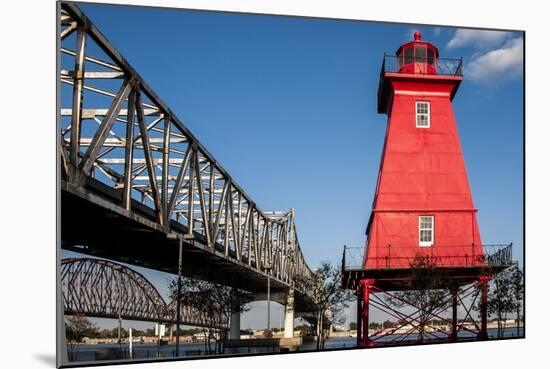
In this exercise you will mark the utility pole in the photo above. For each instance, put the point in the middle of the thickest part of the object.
(268, 303)
(180, 238)
(119, 280)
(178, 302)
(130, 348)
(268, 271)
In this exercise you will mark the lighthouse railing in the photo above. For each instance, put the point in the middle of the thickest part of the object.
(443, 66)
(402, 256)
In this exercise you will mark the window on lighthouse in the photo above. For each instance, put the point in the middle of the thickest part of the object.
(420, 53)
(409, 55)
(431, 55)
(426, 230)
(422, 114)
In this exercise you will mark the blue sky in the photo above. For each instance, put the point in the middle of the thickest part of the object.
(288, 107)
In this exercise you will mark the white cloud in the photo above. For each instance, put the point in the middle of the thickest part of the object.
(502, 63)
(477, 38)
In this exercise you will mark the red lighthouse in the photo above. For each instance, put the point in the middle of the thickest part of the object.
(422, 204)
(423, 207)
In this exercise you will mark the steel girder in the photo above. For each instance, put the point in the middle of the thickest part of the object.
(409, 317)
(115, 130)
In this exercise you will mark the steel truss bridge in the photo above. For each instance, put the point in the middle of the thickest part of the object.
(135, 182)
(104, 289)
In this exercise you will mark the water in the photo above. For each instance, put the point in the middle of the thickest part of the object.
(348, 342)
(152, 351)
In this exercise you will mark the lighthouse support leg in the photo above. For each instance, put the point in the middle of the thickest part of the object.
(454, 332)
(367, 285)
(483, 280)
(359, 312)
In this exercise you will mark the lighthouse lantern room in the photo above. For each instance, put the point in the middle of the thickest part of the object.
(417, 56)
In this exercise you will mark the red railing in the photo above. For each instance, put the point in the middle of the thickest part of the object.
(392, 256)
(442, 66)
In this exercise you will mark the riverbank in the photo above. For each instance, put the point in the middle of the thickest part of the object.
(99, 352)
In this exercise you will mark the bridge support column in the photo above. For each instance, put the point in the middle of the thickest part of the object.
(235, 321)
(289, 314)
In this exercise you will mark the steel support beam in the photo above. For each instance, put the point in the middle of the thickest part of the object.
(484, 285)
(359, 292)
(165, 161)
(76, 118)
(454, 330)
(177, 186)
(191, 196)
(149, 160)
(103, 130)
(367, 285)
(129, 152)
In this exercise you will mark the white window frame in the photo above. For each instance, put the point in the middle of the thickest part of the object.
(420, 229)
(427, 115)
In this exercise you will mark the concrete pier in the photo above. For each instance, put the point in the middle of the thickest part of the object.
(289, 315)
(235, 322)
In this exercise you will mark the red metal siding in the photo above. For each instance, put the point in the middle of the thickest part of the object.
(422, 173)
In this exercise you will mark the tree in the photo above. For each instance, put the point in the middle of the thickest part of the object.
(388, 324)
(187, 332)
(105, 333)
(123, 333)
(76, 328)
(328, 297)
(139, 332)
(505, 296)
(426, 291)
(304, 329)
(519, 293)
(213, 304)
(374, 325)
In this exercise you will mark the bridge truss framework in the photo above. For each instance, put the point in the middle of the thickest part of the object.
(124, 151)
(104, 289)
